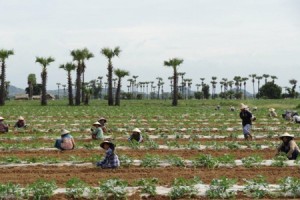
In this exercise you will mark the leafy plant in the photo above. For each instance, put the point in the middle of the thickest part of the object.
(227, 159)
(219, 188)
(175, 161)
(150, 161)
(10, 191)
(134, 144)
(115, 188)
(290, 185)
(184, 188)
(151, 144)
(251, 161)
(205, 160)
(256, 188)
(125, 161)
(148, 185)
(75, 188)
(42, 189)
(279, 160)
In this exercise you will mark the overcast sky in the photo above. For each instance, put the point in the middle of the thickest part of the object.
(222, 38)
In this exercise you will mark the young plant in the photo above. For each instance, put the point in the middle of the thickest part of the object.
(151, 144)
(134, 144)
(10, 191)
(290, 185)
(125, 161)
(251, 161)
(150, 161)
(279, 160)
(42, 189)
(115, 188)
(148, 185)
(219, 188)
(75, 188)
(227, 159)
(256, 188)
(205, 160)
(184, 188)
(175, 161)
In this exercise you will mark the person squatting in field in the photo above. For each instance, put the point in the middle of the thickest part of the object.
(136, 136)
(66, 142)
(20, 123)
(288, 146)
(288, 115)
(97, 133)
(3, 126)
(246, 117)
(272, 112)
(111, 160)
(103, 121)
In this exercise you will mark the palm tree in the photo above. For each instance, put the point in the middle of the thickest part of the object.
(4, 54)
(109, 54)
(230, 83)
(78, 56)
(266, 76)
(213, 82)
(294, 83)
(120, 74)
(87, 55)
(64, 86)
(158, 85)
(258, 83)
(134, 85)
(237, 80)
(44, 62)
(31, 80)
(69, 67)
(253, 81)
(58, 84)
(244, 80)
(198, 85)
(273, 78)
(174, 63)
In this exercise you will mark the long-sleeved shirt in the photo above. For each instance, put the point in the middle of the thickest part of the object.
(98, 133)
(137, 137)
(288, 148)
(111, 160)
(67, 142)
(246, 116)
(20, 124)
(3, 127)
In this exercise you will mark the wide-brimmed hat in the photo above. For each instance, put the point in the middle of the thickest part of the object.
(286, 135)
(64, 131)
(97, 123)
(102, 118)
(21, 118)
(243, 106)
(1, 118)
(271, 109)
(107, 142)
(136, 130)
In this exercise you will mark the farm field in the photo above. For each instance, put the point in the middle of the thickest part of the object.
(181, 143)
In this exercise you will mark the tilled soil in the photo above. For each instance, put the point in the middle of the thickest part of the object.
(92, 175)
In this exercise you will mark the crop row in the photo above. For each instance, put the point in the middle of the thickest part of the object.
(181, 188)
(151, 161)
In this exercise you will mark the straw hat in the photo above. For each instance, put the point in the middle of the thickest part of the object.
(107, 142)
(1, 118)
(97, 123)
(243, 106)
(271, 109)
(21, 118)
(136, 130)
(64, 131)
(286, 135)
(102, 118)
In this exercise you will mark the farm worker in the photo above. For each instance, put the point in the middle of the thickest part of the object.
(136, 135)
(288, 146)
(288, 115)
(66, 142)
(111, 159)
(232, 108)
(97, 133)
(272, 112)
(20, 123)
(102, 121)
(3, 126)
(296, 118)
(246, 117)
(218, 107)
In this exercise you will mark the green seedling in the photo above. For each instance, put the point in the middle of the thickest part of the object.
(256, 188)
(219, 188)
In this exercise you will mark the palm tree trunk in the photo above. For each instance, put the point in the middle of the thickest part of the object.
(82, 84)
(78, 84)
(175, 93)
(44, 91)
(110, 84)
(70, 89)
(2, 87)
(30, 90)
(117, 103)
